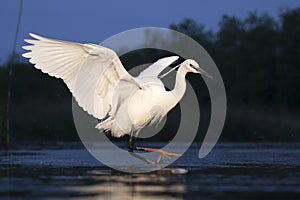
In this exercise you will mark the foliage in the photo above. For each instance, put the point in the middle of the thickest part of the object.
(258, 57)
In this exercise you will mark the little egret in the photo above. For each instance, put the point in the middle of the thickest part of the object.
(102, 87)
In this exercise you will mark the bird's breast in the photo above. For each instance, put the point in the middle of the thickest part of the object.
(146, 105)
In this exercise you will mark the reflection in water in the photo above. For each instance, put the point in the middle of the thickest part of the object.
(231, 171)
(89, 183)
(138, 186)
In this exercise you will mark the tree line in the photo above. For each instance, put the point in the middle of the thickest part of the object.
(259, 60)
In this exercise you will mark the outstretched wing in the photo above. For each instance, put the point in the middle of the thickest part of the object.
(156, 68)
(90, 71)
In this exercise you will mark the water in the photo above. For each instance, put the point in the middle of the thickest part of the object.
(230, 171)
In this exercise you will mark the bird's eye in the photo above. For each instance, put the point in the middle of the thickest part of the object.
(191, 65)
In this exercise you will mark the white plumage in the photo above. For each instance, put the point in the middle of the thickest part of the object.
(103, 88)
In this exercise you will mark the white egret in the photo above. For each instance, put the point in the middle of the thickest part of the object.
(102, 87)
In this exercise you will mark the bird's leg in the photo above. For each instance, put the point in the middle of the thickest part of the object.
(160, 151)
(131, 143)
(131, 147)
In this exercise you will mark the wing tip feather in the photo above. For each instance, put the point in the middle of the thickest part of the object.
(27, 55)
(35, 36)
(27, 47)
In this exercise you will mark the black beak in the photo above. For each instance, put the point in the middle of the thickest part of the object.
(201, 71)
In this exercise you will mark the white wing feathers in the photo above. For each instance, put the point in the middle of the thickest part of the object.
(88, 70)
(156, 68)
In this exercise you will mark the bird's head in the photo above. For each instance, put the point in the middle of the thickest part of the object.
(192, 66)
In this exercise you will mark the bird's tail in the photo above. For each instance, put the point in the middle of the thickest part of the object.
(110, 125)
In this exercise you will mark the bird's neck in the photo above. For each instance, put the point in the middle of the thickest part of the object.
(177, 93)
(180, 84)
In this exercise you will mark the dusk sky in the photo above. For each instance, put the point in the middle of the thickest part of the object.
(92, 21)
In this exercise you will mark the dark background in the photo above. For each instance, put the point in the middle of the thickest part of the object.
(258, 58)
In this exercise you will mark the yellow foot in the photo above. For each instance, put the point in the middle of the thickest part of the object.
(161, 152)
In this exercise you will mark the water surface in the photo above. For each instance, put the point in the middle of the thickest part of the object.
(230, 171)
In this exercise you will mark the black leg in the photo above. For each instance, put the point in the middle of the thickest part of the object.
(131, 143)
